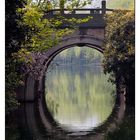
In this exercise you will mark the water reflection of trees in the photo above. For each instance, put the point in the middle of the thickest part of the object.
(79, 93)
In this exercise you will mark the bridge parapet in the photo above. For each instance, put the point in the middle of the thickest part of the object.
(90, 11)
(97, 13)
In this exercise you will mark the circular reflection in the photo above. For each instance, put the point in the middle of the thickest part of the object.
(78, 94)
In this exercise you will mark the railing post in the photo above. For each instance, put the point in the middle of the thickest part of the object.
(103, 6)
(92, 11)
(62, 11)
(73, 11)
(51, 12)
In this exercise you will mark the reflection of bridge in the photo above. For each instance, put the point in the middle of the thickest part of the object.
(32, 123)
(89, 34)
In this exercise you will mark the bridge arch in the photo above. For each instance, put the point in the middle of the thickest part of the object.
(66, 43)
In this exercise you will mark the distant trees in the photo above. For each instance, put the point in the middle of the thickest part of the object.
(77, 55)
(119, 54)
(123, 4)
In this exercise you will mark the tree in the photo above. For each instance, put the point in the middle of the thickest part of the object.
(119, 53)
(43, 33)
(13, 38)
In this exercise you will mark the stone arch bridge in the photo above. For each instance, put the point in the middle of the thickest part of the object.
(90, 34)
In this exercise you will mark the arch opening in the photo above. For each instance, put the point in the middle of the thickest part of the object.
(78, 82)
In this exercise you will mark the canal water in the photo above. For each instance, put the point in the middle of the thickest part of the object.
(79, 97)
(80, 102)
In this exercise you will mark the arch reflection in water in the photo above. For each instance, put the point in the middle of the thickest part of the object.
(78, 94)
